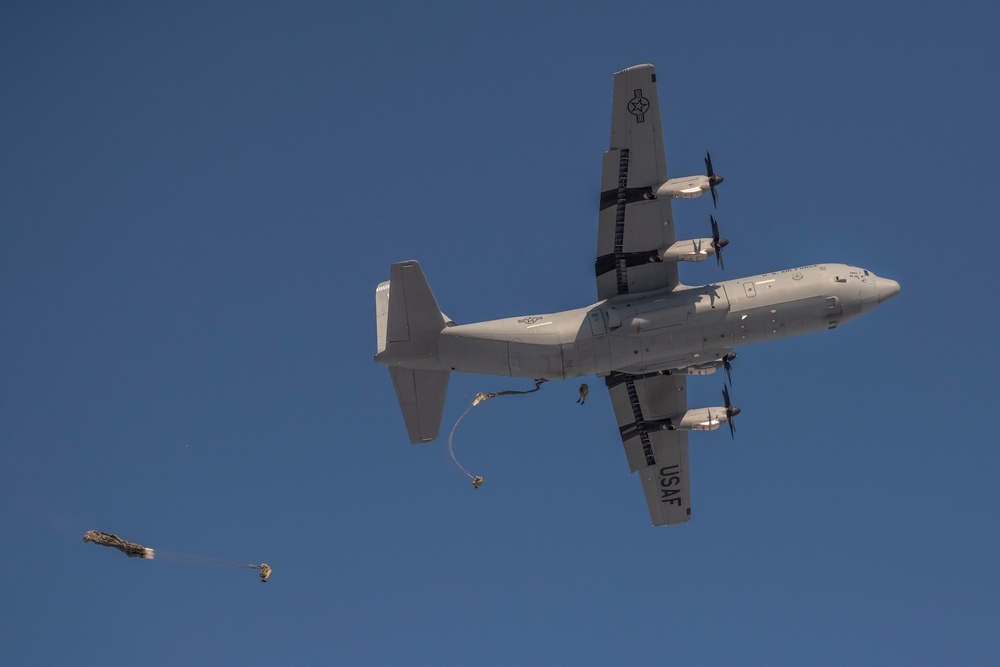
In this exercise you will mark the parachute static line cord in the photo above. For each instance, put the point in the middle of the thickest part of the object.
(451, 446)
(477, 480)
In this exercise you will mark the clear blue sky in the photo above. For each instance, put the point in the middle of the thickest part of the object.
(197, 201)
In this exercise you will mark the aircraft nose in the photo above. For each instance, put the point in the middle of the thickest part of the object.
(886, 289)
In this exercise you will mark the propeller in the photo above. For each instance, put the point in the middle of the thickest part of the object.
(731, 411)
(726, 363)
(713, 179)
(718, 243)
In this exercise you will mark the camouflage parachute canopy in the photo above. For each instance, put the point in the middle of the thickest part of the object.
(130, 549)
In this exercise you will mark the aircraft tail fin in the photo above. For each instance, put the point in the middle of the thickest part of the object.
(413, 312)
(408, 323)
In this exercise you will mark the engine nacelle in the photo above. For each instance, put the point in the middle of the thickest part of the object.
(709, 367)
(687, 187)
(704, 369)
(690, 250)
(701, 419)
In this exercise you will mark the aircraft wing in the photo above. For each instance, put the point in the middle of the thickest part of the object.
(632, 228)
(660, 457)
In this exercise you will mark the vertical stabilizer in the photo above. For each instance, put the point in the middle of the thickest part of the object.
(413, 310)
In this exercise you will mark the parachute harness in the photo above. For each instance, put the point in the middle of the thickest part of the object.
(481, 397)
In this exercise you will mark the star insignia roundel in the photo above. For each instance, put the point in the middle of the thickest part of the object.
(638, 105)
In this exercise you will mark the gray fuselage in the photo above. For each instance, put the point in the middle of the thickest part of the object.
(686, 328)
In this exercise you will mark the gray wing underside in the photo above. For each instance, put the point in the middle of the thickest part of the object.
(660, 457)
(632, 228)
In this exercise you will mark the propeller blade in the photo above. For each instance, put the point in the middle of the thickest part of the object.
(731, 411)
(716, 243)
(713, 179)
(729, 368)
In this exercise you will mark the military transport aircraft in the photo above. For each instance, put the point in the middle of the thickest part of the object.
(646, 333)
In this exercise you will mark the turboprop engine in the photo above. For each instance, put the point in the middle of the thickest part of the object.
(695, 250)
(690, 187)
(699, 419)
(704, 419)
(690, 250)
(710, 367)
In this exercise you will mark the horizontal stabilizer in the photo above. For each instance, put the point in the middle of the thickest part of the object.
(421, 397)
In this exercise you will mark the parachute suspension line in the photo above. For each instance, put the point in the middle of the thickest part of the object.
(133, 550)
(262, 568)
(176, 555)
(477, 480)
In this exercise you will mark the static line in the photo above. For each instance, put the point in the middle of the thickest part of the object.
(481, 397)
(451, 447)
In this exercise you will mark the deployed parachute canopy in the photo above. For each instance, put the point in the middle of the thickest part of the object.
(130, 549)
